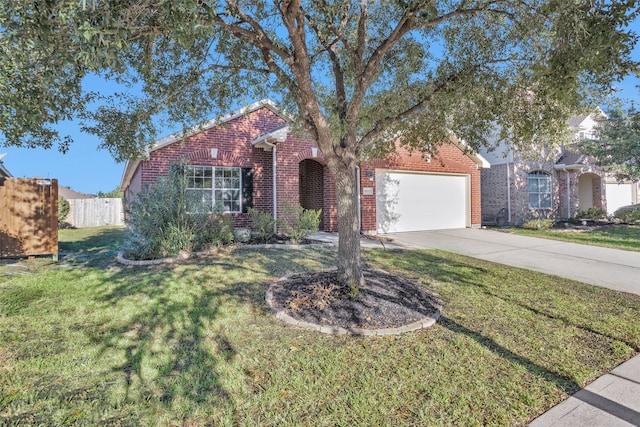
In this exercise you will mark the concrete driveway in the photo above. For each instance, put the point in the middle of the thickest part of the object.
(609, 268)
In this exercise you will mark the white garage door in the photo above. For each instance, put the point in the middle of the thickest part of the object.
(618, 195)
(415, 201)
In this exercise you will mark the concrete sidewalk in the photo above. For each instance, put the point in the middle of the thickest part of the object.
(611, 400)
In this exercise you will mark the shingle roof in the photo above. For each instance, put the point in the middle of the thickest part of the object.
(571, 156)
(576, 121)
(3, 170)
(70, 194)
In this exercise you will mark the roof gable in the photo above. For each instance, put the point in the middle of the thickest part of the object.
(248, 109)
(132, 164)
(3, 170)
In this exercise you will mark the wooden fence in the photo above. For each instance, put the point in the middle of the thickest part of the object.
(28, 217)
(95, 212)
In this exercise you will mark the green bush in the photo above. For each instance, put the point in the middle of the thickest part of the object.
(63, 209)
(263, 223)
(538, 224)
(628, 214)
(298, 223)
(592, 213)
(166, 219)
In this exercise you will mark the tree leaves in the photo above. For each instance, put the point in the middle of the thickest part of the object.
(349, 70)
(617, 144)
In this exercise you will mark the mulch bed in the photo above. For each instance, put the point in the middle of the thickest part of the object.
(385, 301)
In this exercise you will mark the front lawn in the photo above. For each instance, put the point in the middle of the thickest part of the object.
(626, 237)
(88, 342)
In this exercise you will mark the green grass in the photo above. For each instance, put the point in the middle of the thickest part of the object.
(626, 237)
(88, 342)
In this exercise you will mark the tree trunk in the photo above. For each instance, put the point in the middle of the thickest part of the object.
(349, 254)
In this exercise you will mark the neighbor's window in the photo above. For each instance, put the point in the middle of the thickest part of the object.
(539, 190)
(217, 185)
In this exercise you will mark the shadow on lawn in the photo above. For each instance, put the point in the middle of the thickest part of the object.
(168, 337)
(91, 250)
(475, 278)
(167, 347)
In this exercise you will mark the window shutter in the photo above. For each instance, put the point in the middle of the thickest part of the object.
(247, 189)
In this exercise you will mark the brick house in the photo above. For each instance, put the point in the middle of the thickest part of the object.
(252, 158)
(556, 186)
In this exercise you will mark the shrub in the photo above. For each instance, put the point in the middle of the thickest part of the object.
(629, 214)
(298, 223)
(592, 213)
(538, 224)
(63, 209)
(263, 223)
(166, 219)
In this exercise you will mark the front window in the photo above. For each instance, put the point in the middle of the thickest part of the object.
(216, 185)
(539, 190)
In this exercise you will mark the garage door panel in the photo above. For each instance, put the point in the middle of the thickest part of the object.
(619, 195)
(413, 201)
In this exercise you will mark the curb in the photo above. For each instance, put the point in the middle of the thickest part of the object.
(423, 323)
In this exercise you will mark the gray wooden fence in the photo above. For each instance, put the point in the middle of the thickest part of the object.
(95, 212)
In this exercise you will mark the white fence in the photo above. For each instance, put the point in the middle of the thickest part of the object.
(95, 212)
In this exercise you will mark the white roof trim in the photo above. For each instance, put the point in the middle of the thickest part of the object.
(128, 172)
(267, 141)
(170, 139)
(480, 160)
(131, 165)
(563, 167)
(3, 169)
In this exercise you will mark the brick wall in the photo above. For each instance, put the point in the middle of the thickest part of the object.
(232, 140)
(494, 190)
(449, 159)
(296, 157)
(299, 155)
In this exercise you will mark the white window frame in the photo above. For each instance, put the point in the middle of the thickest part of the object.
(203, 178)
(539, 176)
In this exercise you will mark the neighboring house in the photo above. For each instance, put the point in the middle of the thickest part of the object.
(70, 194)
(618, 194)
(252, 158)
(556, 187)
(4, 173)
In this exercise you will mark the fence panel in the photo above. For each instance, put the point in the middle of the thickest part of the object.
(28, 217)
(95, 212)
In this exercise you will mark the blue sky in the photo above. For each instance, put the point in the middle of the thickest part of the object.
(87, 169)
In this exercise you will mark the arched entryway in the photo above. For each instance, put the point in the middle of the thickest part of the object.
(589, 191)
(311, 186)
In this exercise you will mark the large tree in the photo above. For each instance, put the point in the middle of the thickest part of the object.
(616, 146)
(355, 74)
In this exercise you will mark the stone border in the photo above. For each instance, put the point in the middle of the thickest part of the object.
(170, 260)
(285, 246)
(424, 323)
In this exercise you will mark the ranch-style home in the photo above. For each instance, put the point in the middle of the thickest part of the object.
(251, 157)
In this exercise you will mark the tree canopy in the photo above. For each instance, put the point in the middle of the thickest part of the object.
(617, 143)
(355, 74)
